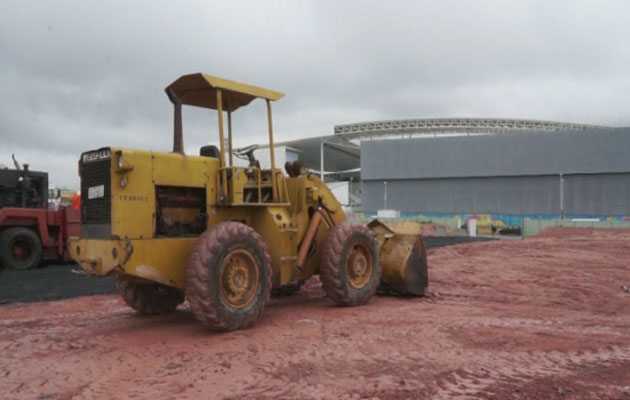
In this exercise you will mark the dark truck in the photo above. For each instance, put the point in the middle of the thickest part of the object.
(30, 232)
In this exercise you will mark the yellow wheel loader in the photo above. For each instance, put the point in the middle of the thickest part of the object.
(171, 226)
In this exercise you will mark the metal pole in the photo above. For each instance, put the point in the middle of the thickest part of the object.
(561, 183)
(350, 193)
(271, 153)
(385, 196)
(321, 159)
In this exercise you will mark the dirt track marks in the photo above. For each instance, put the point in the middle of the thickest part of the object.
(512, 369)
(531, 319)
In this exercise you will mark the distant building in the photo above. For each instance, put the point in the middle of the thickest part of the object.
(577, 173)
(505, 169)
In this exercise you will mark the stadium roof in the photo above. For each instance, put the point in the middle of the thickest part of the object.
(453, 125)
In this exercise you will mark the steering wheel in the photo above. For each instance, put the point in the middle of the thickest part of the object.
(247, 153)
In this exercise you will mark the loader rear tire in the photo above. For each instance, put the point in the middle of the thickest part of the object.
(350, 267)
(149, 298)
(228, 277)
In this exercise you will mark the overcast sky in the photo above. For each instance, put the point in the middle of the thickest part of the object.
(78, 75)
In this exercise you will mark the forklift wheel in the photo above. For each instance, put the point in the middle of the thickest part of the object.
(20, 248)
(228, 277)
(350, 268)
(149, 298)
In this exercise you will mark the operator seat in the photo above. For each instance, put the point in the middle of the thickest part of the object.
(213, 152)
(210, 151)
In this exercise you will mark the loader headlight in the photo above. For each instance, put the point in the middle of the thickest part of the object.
(123, 166)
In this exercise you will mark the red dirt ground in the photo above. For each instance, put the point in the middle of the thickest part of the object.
(545, 317)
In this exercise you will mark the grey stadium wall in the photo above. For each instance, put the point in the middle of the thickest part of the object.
(511, 173)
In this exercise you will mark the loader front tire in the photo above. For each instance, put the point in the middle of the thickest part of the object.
(149, 298)
(228, 277)
(350, 268)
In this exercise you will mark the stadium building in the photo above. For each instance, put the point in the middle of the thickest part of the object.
(499, 171)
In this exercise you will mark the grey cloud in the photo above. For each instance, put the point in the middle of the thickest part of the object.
(77, 75)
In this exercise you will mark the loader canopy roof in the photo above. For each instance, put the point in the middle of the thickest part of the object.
(201, 90)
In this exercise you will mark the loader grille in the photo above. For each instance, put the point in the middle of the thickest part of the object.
(96, 189)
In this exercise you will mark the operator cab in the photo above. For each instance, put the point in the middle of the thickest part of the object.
(238, 185)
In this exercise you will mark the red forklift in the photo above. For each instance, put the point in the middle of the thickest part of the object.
(30, 231)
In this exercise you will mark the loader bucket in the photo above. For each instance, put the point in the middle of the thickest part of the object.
(403, 258)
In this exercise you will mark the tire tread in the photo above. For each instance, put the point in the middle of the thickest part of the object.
(332, 272)
(208, 247)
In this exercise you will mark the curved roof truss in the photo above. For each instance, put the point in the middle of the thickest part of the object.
(453, 125)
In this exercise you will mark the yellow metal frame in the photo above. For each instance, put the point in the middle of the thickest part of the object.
(208, 91)
(236, 169)
(139, 241)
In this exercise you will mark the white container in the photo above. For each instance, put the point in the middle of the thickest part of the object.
(472, 227)
(388, 214)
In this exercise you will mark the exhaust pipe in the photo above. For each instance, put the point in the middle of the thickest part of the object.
(178, 135)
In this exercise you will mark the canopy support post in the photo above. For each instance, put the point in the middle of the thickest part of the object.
(272, 154)
(230, 137)
(222, 139)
